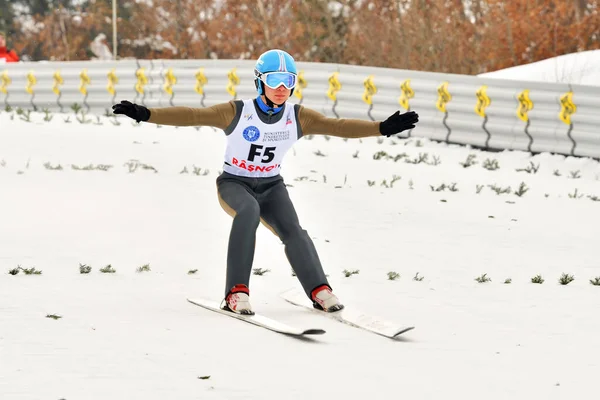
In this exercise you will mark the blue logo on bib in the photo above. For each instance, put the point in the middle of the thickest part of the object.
(251, 134)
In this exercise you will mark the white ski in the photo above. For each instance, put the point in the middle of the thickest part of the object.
(257, 319)
(349, 316)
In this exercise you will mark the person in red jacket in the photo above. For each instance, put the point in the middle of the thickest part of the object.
(5, 54)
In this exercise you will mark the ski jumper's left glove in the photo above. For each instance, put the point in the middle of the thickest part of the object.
(397, 123)
(132, 110)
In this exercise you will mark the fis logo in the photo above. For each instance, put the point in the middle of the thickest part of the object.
(288, 120)
(248, 117)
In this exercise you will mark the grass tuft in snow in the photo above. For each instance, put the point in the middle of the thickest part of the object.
(31, 271)
(500, 190)
(205, 377)
(557, 173)
(91, 167)
(521, 190)
(260, 271)
(575, 175)
(25, 115)
(565, 279)
(507, 281)
(143, 268)
(537, 279)
(320, 153)
(192, 271)
(49, 166)
(530, 169)
(383, 155)
(47, 115)
(133, 165)
(395, 178)
(53, 316)
(198, 171)
(595, 281)
(417, 277)
(424, 159)
(470, 161)
(14, 271)
(491, 165)
(348, 273)
(575, 194)
(443, 188)
(108, 269)
(392, 276)
(479, 188)
(84, 269)
(483, 279)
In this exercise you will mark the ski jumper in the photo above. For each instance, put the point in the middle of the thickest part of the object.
(251, 189)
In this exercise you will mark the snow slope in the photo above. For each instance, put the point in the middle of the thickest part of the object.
(581, 68)
(132, 335)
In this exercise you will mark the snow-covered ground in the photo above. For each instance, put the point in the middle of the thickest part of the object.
(98, 194)
(581, 68)
(133, 335)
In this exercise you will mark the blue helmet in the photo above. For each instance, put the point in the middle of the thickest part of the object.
(275, 68)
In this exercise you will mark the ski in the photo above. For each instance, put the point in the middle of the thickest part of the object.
(257, 319)
(350, 316)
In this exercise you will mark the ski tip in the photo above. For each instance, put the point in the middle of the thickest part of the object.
(410, 328)
(313, 332)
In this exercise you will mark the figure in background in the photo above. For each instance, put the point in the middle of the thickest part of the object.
(6, 55)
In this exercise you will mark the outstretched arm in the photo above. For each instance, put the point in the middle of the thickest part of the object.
(219, 115)
(315, 123)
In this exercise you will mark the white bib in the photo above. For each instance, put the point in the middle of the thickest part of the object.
(256, 149)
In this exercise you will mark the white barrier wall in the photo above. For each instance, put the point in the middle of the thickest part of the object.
(483, 112)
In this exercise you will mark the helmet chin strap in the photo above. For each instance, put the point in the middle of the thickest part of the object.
(271, 104)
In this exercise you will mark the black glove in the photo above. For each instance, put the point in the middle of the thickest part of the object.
(134, 111)
(397, 123)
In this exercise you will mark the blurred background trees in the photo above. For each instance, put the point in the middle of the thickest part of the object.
(454, 36)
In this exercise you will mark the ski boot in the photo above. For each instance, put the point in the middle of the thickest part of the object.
(323, 299)
(238, 300)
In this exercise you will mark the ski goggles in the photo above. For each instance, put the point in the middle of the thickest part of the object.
(276, 79)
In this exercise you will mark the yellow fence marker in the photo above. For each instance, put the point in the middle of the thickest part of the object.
(170, 81)
(483, 101)
(5, 79)
(234, 80)
(334, 87)
(31, 82)
(405, 95)
(200, 82)
(58, 82)
(300, 85)
(444, 97)
(525, 105)
(142, 80)
(568, 108)
(370, 90)
(112, 81)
